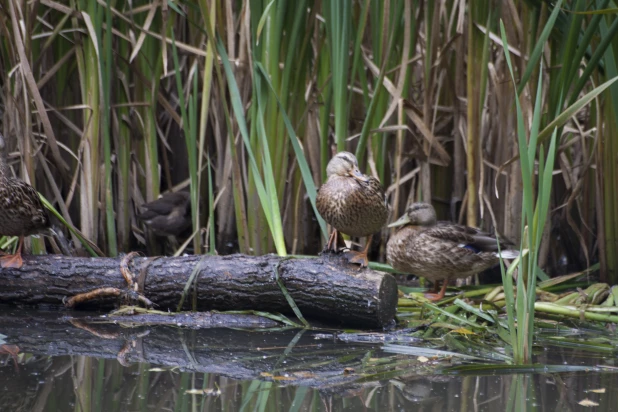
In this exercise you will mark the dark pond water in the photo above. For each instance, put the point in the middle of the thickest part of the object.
(70, 364)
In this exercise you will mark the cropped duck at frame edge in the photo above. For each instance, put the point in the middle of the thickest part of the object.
(21, 211)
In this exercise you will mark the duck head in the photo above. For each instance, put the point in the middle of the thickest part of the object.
(345, 164)
(417, 214)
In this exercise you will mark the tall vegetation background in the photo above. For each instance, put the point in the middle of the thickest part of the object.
(111, 103)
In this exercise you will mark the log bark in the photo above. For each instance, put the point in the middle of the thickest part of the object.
(327, 288)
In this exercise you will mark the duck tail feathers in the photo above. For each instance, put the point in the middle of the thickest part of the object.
(508, 254)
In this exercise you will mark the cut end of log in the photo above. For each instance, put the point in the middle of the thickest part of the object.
(341, 292)
(388, 299)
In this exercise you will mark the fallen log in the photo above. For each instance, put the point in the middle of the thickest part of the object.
(327, 288)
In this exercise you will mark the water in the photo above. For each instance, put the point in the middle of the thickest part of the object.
(72, 365)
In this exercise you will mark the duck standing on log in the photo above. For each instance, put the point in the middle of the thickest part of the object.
(21, 211)
(351, 202)
(441, 250)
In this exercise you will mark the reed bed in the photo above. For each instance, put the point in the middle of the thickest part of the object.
(106, 105)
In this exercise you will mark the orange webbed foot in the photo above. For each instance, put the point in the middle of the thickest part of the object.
(11, 261)
(434, 297)
(334, 241)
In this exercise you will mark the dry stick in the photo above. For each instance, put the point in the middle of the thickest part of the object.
(133, 294)
(57, 195)
(36, 95)
(398, 155)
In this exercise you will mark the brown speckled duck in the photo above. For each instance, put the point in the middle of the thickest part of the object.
(353, 203)
(170, 215)
(440, 250)
(21, 211)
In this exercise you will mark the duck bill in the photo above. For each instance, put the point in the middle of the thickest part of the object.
(356, 174)
(403, 220)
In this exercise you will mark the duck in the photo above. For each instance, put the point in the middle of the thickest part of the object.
(440, 251)
(169, 215)
(352, 203)
(21, 211)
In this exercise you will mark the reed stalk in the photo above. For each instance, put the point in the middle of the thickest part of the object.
(338, 18)
(607, 156)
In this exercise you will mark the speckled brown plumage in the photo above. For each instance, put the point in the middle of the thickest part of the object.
(353, 203)
(440, 250)
(21, 211)
(351, 207)
(169, 215)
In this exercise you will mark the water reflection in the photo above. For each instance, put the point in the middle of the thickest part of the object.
(67, 365)
(81, 383)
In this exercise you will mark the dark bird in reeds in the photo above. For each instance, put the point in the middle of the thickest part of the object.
(21, 211)
(441, 250)
(170, 215)
(351, 202)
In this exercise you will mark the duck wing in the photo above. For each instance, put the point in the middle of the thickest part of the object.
(165, 205)
(465, 237)
(374, 187)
